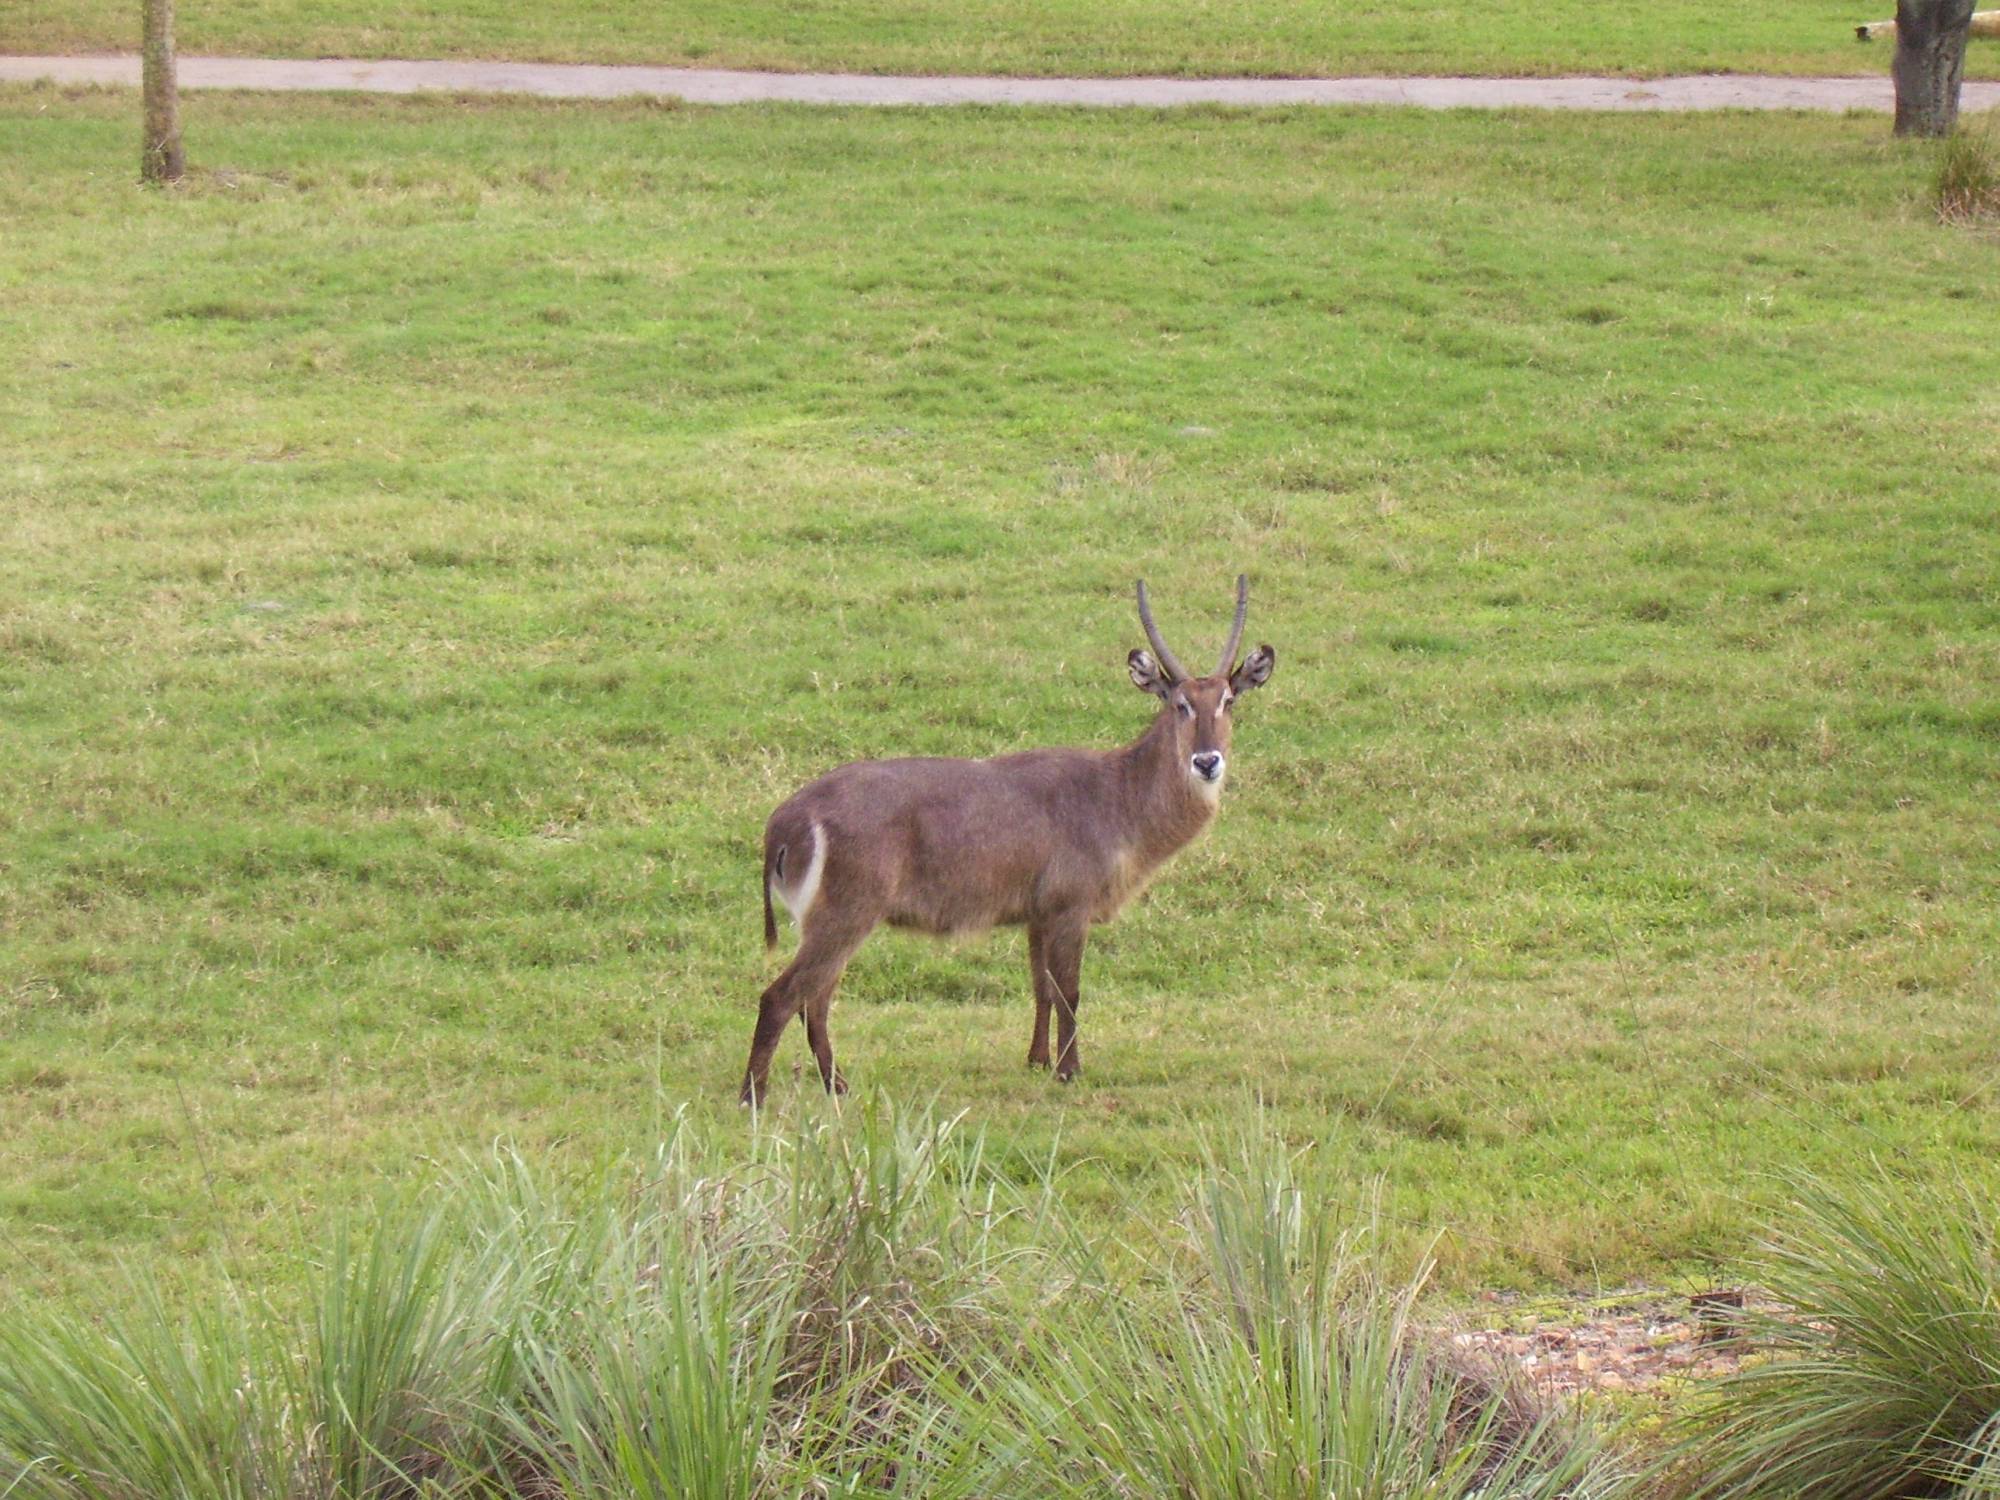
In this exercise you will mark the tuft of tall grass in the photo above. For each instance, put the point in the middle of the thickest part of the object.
(900, 1234)
(392, 1383)
(1882, 1368)
(380, 1385)
(717, 1320)
(856, 1301)
(1966, 184)
(667, 1388)
(1274, 1361)
(142, 1405)
(759, 1326)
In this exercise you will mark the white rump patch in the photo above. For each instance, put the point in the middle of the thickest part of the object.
(799, 901)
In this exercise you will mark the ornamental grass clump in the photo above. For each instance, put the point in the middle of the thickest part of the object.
(858, 1301)
(141, 1405)
(863, 1301)
(1880, 1367)
(1274, 1359)
(755, 1329)
(378, 1385)
(1966, 187)
(718, 1320)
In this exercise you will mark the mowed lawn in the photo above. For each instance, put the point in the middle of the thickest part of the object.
(1035, 37)
(437, 535)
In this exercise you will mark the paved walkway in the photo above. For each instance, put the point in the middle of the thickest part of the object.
(719, 86)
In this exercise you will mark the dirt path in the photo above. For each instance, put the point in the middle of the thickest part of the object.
(718, 86)
(1643, 1340)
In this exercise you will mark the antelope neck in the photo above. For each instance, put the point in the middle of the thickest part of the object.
(1159, 798)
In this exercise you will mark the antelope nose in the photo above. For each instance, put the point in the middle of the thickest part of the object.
(1208, 765)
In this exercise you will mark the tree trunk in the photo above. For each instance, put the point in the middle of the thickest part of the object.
(1929, 63)
(160, 159)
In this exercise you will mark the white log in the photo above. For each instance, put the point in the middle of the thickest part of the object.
(1985, 23)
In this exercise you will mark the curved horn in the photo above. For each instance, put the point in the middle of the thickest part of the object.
(1174, 670)
(1236, 630)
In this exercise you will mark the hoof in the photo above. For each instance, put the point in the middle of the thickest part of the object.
(751, 1096)
(1067, 1075)
(1038, 1060)
(838, 1086)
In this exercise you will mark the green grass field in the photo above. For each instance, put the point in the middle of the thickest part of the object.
(437, 535)
(1111, 37)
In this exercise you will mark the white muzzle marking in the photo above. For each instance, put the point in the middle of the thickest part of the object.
(1208, 783)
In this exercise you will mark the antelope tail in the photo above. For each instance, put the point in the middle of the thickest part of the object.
(774, 861)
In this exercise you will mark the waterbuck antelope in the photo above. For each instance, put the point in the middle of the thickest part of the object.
(1054, 839)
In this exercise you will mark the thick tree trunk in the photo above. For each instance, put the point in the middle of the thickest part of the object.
(160, 158)
(1929, 63)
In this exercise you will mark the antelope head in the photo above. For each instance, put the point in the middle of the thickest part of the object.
(1200, 706)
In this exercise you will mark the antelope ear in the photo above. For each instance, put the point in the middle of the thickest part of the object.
(1146, 674)
(1255, 671)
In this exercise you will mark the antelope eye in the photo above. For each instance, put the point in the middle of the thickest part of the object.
(1186, 708)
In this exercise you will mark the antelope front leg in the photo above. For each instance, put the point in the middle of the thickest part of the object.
(1063, 963)
(1045, 989)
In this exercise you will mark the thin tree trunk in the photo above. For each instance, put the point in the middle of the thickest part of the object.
(160, 159)
(1929, 64)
